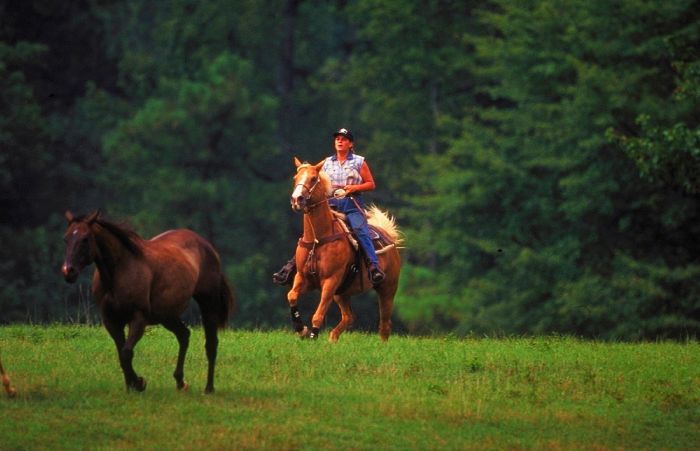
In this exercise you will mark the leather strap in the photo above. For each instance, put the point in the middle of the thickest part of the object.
(321, 241)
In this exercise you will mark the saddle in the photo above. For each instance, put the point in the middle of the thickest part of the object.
(380, 241)
(379, 238)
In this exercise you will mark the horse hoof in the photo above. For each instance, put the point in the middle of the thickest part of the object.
(209, 390)
(11, 392)
(304, 333)
(184, 387)
(138, 385)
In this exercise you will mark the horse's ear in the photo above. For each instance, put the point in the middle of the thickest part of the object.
(93, 217)
(319, 165)
(69, 216)
(297, 163)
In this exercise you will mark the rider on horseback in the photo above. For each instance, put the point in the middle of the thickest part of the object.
(350, 176)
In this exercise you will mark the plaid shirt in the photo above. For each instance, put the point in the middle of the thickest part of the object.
(347, 173)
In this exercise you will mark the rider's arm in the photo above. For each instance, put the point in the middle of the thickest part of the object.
(367, 181)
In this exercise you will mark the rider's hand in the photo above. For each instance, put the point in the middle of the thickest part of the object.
(340, 193)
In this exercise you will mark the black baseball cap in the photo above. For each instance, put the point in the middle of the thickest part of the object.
(345, 132)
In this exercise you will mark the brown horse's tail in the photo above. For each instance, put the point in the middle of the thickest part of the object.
(227, 302)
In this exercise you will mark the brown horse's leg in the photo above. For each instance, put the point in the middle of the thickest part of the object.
(9, 389)
(125, 347)
(137, 327)
(347, 317)
(116, 331)
(182, 333)
(211, 344)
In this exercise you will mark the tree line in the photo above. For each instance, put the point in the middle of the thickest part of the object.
(541, 157)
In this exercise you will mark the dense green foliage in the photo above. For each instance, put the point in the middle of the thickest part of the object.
(274, 391)
(541, 157)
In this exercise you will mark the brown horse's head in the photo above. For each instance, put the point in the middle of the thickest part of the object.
(311, 185)
(81, 247)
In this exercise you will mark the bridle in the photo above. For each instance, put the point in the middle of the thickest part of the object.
(306, 194)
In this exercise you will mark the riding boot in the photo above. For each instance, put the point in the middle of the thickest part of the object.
(285, 275)
(376, 274)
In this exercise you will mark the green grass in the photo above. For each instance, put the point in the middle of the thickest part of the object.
(274, 391)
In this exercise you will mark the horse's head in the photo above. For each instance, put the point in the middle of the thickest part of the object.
(81, 247)
(311, 185)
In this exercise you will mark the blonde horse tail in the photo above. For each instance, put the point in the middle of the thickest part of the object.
(386, 222)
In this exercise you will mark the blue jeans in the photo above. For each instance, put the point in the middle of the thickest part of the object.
(358, 223)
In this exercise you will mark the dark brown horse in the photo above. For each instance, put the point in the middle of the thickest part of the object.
(141, 282)
(9, 389)
(325, 255)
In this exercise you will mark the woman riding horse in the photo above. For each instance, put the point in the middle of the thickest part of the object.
(350, 177)
(326, 257)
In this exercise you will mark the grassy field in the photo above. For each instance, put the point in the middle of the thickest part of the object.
(274, 391)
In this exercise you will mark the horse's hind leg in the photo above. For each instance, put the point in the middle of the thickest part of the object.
(210, 322)
(9, 389)
(386, 308)
(211, 345)
(346, 319)
(182, 333)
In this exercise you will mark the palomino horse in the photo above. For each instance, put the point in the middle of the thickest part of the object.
(9, 389)
(325, 256)
(139, 283)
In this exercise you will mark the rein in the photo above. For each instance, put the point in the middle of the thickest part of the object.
(311, 245)
(308, 209)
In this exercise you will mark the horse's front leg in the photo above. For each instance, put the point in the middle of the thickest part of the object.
(137, 327)
(125, 347)
(116, 331)
(327, 291)
(292, 297)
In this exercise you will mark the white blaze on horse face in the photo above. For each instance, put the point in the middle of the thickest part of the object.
(298, 192)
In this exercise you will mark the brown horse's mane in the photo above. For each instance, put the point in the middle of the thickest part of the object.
(123, 232)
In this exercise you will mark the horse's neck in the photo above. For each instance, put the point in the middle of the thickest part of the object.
(111, 255)
(318, 223)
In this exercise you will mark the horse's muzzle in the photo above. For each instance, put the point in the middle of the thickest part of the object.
(70, 273)
(298, 203)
